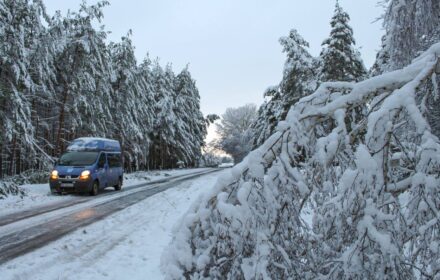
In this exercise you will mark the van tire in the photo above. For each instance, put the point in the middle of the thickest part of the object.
(95, 189)
(118, 187)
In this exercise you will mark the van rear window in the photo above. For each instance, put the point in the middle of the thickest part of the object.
(78, 158)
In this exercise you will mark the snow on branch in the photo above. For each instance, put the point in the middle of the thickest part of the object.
(348, 188)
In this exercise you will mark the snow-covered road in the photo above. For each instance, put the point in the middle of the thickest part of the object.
(125, 245)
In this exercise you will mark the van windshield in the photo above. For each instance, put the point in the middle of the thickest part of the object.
(78, 158)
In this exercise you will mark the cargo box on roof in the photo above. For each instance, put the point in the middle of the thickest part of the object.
(94, 144)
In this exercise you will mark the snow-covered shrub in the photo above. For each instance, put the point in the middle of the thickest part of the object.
(9, 187)
(32, 177)
(362, 158)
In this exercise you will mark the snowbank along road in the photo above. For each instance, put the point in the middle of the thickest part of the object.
(25, 231)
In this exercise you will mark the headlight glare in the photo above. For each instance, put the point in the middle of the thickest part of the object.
(54, 175)
(85, 175)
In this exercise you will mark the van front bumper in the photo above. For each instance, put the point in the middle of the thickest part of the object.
(70, 186)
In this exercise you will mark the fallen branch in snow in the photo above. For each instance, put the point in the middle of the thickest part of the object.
(361, 157)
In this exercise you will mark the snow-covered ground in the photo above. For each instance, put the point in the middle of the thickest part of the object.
(126, 245)
(39, 194)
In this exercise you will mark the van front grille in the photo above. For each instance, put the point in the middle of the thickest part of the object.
(68, 176)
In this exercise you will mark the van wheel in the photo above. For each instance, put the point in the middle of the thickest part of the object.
(95, 189)
(118, 187)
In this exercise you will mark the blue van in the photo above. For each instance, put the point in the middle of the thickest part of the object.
(90, 164)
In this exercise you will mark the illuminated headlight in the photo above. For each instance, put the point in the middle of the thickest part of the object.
(85, 175)
(54, 175)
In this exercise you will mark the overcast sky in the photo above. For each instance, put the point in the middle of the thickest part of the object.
(231, 45)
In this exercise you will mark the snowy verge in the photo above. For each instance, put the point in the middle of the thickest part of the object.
(125, 245)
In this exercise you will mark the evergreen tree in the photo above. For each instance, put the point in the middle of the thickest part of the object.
(298, 75)
(59, 80)
(132, 104)
(269, 114)
(16, 85)
(299, 80)
(340, 60)
(83, 74)
(165, 122)
(43, 53)
(411, 27)
(382, 60)
(191, 129)
(147, 104)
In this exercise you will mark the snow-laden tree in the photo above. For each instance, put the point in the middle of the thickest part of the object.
(235, 131)
(133, 103)
(83, 74)
(339, 58)
(191, 129)
(299, 75)
(164, 130)
(411, 26)
(147, 104)
(335, 193)
(268, 116)
(299, 80)
(20, 26)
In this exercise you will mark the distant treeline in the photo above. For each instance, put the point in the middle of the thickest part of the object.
(59, 80)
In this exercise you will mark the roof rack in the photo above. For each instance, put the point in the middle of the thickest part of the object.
(94, 144)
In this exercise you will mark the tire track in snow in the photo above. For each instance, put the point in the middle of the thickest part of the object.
(28, 239)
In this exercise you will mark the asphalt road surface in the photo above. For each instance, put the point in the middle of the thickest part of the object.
(23, 232)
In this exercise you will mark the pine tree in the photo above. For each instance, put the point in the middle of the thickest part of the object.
(132, 109)
(299, 80)
(16, 84)
(298, 76)
(382, 60)
(59, 80)
(191, 129)
(147, 104)
(411, 27)
(165, 121)
(43, 52)
(83, 73)
(340, 60)
(269, 114)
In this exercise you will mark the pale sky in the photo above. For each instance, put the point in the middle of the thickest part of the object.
(231, 45)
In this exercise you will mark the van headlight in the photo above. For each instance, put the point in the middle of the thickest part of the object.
(85, 175)
(54, 175)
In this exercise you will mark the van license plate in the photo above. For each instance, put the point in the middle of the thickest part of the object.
(67, 185)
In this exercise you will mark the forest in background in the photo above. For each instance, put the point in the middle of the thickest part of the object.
(60, 79)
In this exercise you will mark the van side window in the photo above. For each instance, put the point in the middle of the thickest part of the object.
(101, 162)
(114, 160)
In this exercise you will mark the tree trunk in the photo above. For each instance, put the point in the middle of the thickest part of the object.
(12, 157)
(61, 122)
